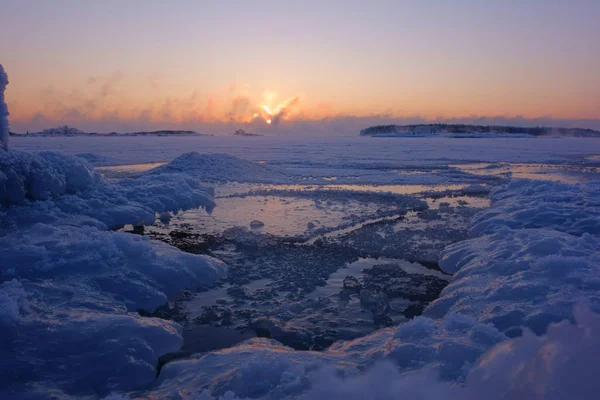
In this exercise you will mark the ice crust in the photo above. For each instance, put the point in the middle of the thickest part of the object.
(70, 288)
(503, 328)
(75, 188)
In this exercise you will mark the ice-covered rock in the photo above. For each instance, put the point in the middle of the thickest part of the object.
(71, 338)
(541, 257)
(165, 217)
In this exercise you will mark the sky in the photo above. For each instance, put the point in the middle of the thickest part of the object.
(326, 67)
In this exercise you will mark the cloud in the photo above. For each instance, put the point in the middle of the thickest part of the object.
(103, 105)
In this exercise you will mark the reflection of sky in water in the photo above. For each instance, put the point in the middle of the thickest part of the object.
(282, 216)
(567, 173)
(124, 171)
(240, 188)
(335, 283)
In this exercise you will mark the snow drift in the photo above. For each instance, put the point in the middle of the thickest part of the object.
(69, 288)
(221, 167)
(574, 209)
(264, 368)
(42, 176)
(520, 278)
(75, 188)
(559, 365)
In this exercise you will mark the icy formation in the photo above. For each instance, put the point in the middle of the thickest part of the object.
(559, 365)
(262, 367)
(69, 288)
(401, 201)
(42, 176)
(512, 283)
(76, 188)
(221, 167)
(574, 209)
(4, 133)
(516, 278)
(542, 259)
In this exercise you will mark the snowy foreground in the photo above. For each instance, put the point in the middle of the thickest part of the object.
(518, 319)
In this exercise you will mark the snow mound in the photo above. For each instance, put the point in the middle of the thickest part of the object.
(139, 271)
(220, 167)
(516, 278)
(70, 301)
(42, 176)
(574, 209)
(69, 288)
(75, 340)
(264, 367)
(559, 365)
(75, 188)
(131, 201)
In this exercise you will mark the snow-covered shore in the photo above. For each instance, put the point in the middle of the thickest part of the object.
(70, 288)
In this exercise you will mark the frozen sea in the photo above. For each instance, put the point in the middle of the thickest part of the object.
(275, 267)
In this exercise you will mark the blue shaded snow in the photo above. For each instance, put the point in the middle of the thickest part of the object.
(518, 280)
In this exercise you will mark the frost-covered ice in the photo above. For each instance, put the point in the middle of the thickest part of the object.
(70, 288)
(262, 367)
(350, 160)
(558, 365)
(574, 209)
(539, 258)
(521, 278)
(75, 188)
(510, 283)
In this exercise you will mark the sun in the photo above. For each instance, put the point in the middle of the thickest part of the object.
(269, 121)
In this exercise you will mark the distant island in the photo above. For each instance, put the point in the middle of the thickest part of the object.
(241, 132)
(460, 130)
(66, 130)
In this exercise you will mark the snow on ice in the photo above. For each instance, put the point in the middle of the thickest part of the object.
(220, 167)
(537, 204)
(70, 288)
(515, 282)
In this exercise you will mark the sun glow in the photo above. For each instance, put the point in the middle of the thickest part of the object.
(272, 116)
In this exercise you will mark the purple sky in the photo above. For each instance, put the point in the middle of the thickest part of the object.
(331, 67)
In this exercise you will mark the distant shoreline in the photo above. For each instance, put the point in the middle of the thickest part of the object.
(465, 131)
(71, 132)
